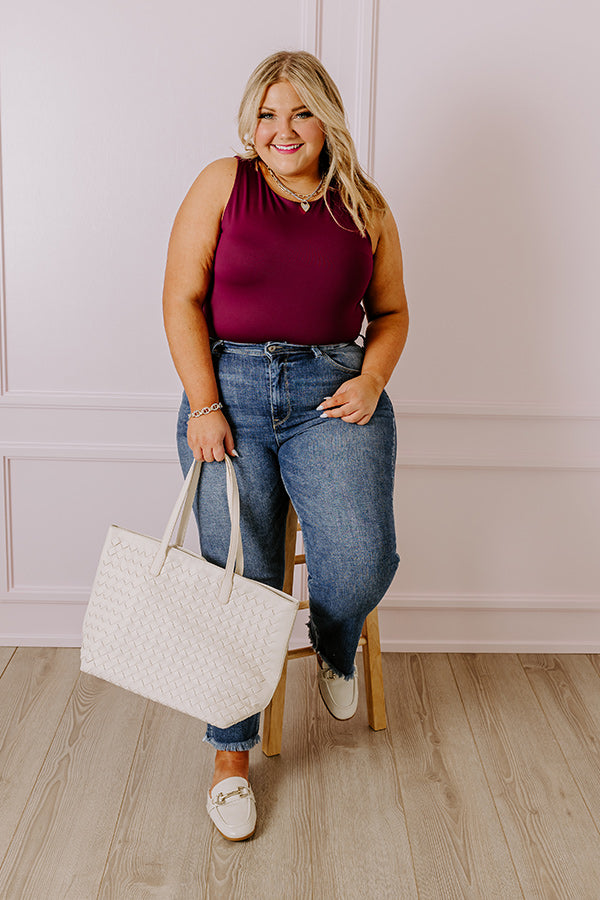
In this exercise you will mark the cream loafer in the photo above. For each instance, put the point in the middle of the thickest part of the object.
(340, 695)
(231, 806)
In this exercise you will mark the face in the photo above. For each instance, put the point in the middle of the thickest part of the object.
(288, 137)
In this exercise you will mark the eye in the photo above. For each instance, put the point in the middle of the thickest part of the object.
(304, 115)
(265, 115)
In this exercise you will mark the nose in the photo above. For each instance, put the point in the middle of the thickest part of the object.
(286, 129)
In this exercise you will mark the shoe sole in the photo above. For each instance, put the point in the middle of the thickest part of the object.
(235, 840)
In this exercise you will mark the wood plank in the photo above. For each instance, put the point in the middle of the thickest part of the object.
(551, 835)
(62, 840)
(568, 690)
(359, 841)
(162, 841)
(458, 846)
(594, 659)
(34, 689)
(6, 654)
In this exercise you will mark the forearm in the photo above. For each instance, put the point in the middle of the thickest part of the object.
(384, 342)
(187, 334)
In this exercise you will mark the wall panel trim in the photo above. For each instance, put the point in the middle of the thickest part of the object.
(311, 26)
(169, 402)
(504, 602)
(424, 624)
(366, 81)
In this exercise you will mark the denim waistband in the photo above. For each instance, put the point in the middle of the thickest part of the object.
(271, 348)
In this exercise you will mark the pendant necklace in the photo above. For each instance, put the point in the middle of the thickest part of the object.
(303, 198)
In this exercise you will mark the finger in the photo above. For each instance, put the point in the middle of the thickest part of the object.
(339, 398)
(338, 413)
(353, 417)
(326, 402)
(219, 453)
(230, 444)
(357, 419)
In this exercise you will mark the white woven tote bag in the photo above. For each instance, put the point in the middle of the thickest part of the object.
(165, 623)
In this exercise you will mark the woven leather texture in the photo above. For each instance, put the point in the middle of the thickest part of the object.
(170, 640)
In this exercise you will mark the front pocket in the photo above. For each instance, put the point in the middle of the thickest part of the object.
(347, 358)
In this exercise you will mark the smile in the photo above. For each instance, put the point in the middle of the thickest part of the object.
(287, 148)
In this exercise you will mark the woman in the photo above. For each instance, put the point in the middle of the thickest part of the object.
(274, 258)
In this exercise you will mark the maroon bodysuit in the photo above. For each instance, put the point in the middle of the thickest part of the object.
(281, 274)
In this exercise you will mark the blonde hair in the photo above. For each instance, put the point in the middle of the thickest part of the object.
(316, 88)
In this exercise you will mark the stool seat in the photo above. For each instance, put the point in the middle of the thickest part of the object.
(371, 652)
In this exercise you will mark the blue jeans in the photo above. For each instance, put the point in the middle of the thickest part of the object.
(339, 476)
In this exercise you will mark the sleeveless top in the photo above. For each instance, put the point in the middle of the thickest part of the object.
(280, 274)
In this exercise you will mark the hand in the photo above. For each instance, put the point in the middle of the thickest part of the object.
(210, 437)
(355, 400)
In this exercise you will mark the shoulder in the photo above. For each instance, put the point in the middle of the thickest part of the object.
(382, 227)
(213, 186)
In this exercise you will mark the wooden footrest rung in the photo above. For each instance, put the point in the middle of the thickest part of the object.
(299, 652)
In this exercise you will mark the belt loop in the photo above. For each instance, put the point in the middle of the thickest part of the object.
(317, 352)
(216, 346)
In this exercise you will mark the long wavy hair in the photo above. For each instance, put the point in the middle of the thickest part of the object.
(317, 90)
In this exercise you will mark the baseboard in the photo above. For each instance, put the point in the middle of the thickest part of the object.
(424, 624)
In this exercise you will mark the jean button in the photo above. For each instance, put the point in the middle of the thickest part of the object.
(271, 348)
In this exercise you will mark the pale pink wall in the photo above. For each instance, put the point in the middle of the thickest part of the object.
(479, 122)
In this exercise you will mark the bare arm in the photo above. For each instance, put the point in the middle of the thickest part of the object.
(387, 313)
(187, 279)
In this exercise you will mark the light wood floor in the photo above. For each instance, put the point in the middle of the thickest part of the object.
(486, 784)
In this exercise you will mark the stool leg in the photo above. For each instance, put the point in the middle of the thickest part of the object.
(373, 673)
(273, 718)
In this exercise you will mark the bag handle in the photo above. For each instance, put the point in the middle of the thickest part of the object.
(183, 508)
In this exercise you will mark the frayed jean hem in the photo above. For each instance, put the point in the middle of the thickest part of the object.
(235, 745)
(312, 635)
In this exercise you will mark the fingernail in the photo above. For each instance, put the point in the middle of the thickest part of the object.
(323, 416)
(235, 453)
(320, 406)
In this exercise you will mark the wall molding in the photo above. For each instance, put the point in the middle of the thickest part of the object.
(77, 595)
(435, 460)
(162, 453)
(92, 400)
(311, 26)
(512, 457)
(515, 602)
(134, 402)
(427, 624)
(19, 593)
(495, 410)
(366, 81)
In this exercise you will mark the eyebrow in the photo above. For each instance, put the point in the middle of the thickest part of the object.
(295, 109)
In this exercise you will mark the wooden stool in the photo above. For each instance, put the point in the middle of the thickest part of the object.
(371, 652)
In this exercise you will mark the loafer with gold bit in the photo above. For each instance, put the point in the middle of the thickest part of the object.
(232, 807)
